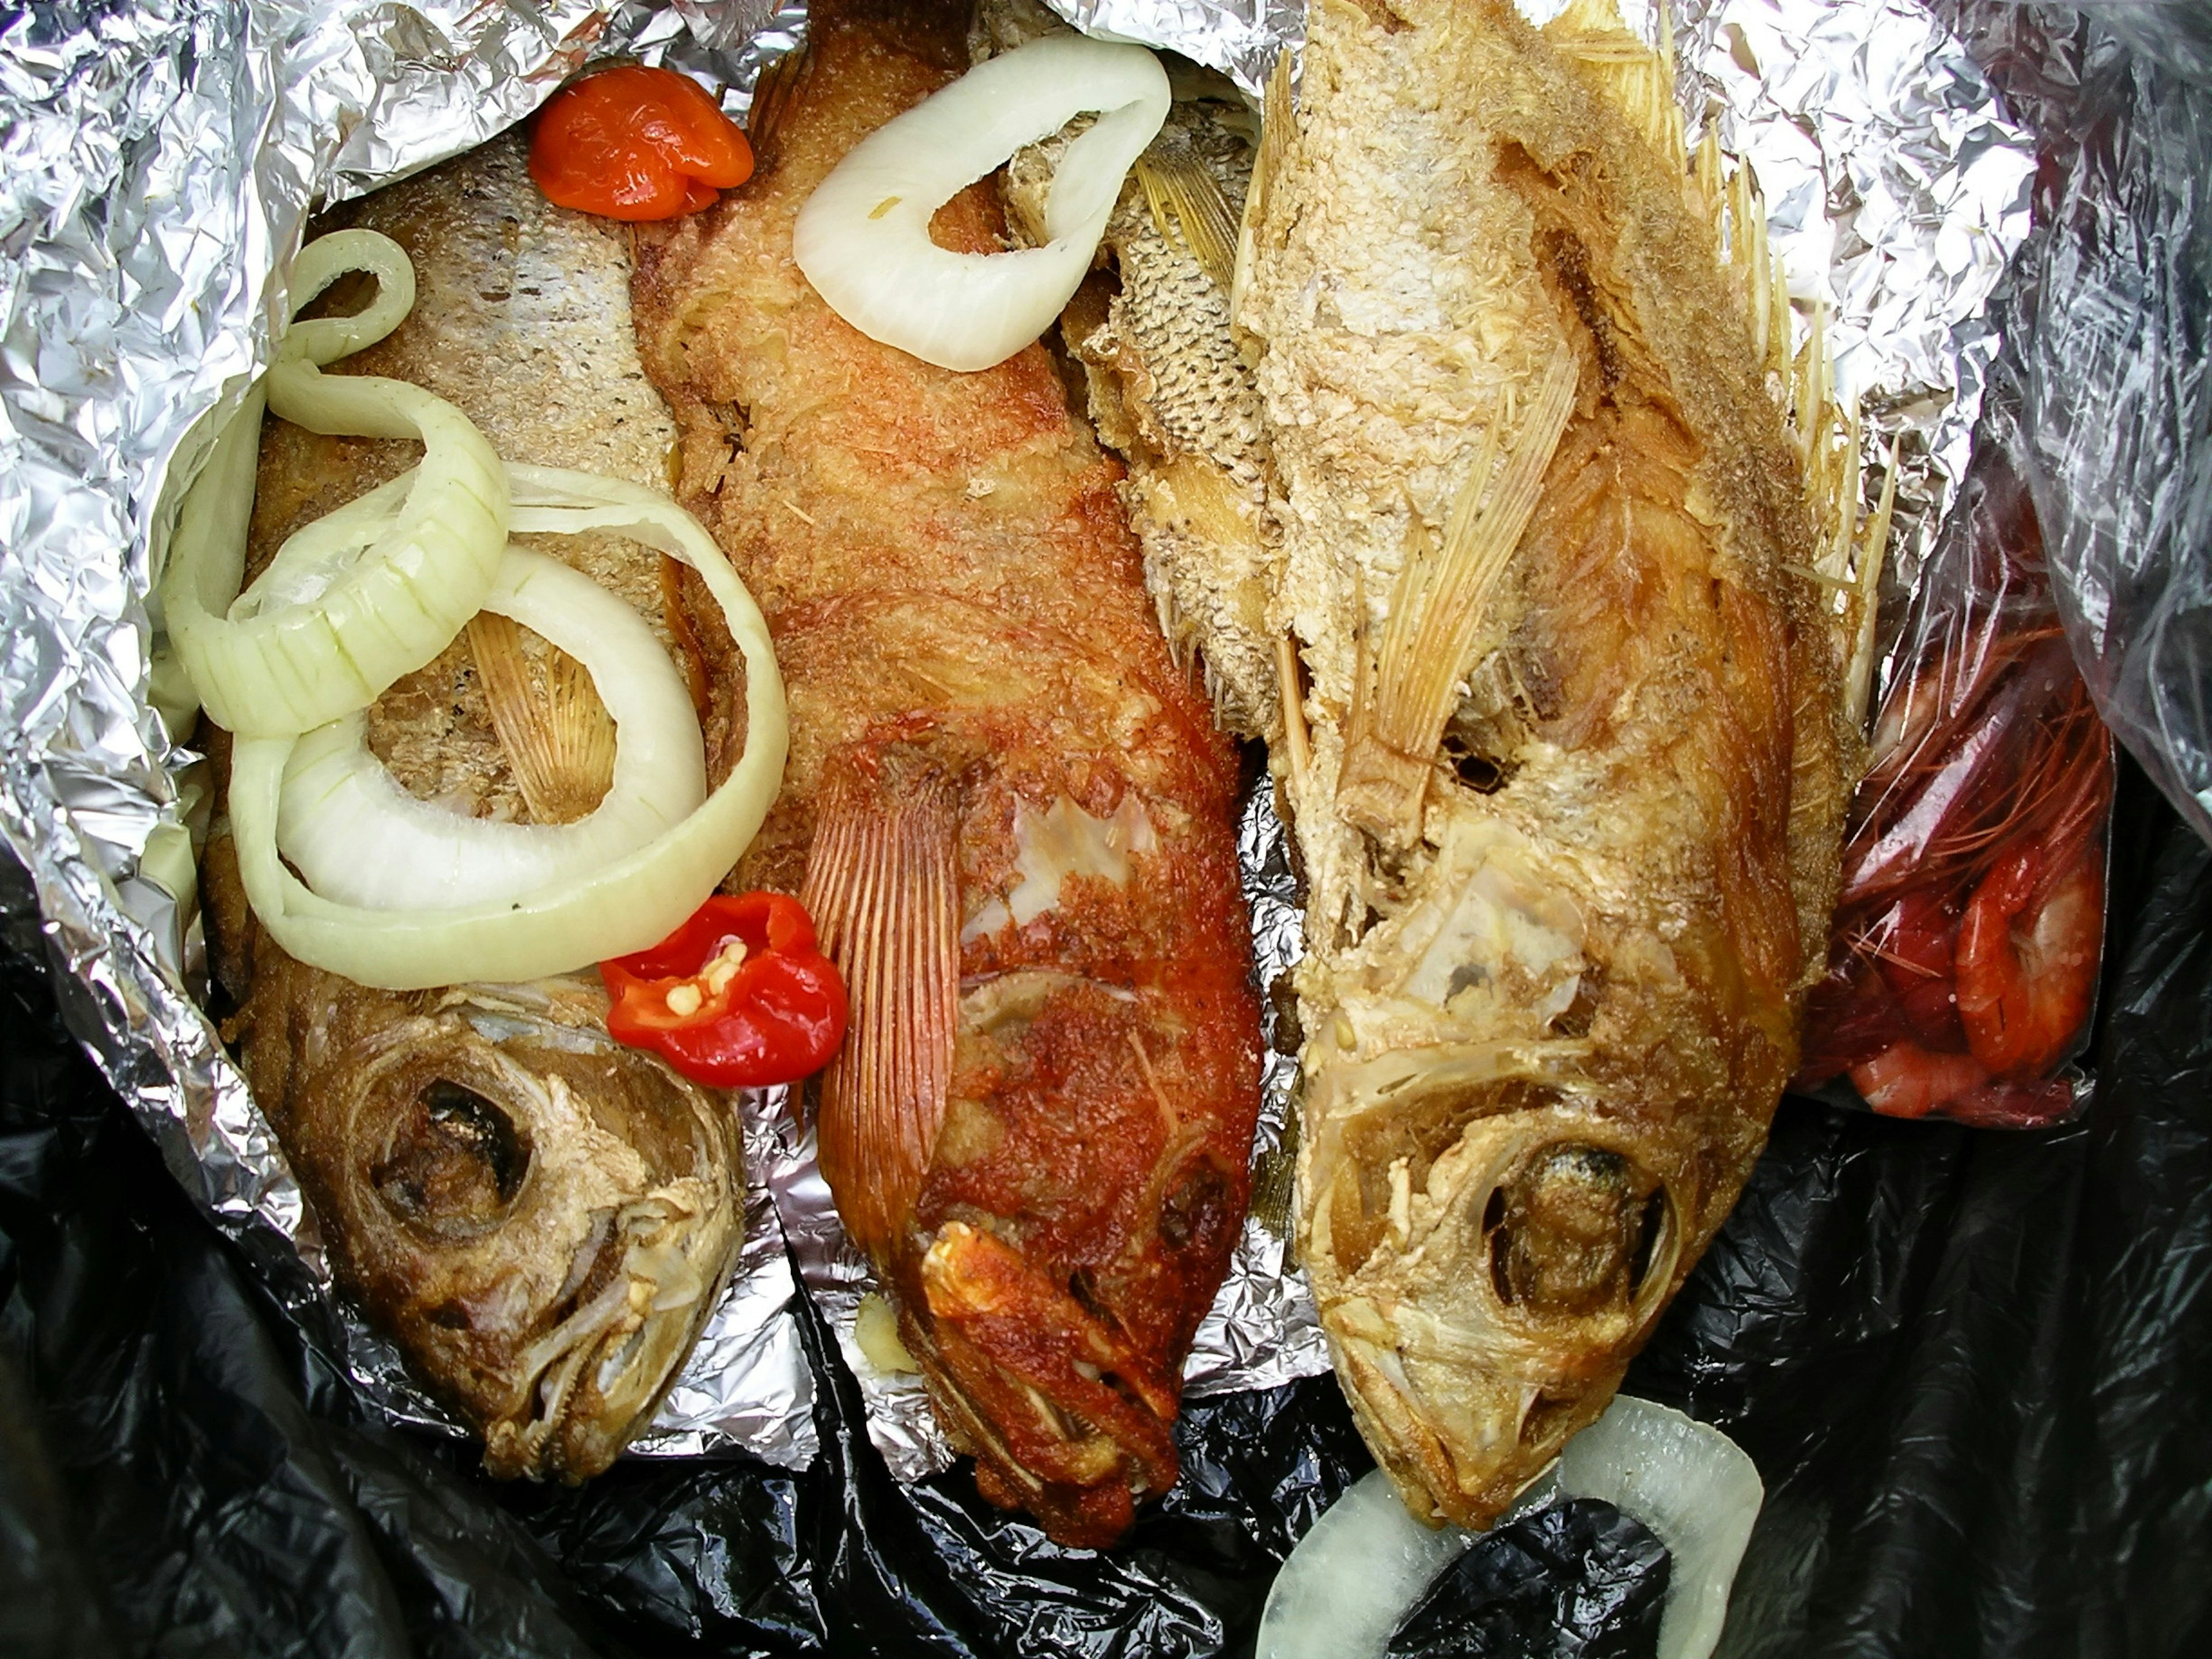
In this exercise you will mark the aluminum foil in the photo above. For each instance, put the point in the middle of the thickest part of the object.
(1896, 194)
(1240, 38)
(162, 159)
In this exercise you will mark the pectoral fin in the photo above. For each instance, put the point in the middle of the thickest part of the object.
(1438, 607)
(550, 720)
(882, 885)
(1188, 209)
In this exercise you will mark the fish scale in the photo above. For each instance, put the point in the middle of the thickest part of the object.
(1167, 387)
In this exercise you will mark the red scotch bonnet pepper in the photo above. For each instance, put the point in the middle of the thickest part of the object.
(740, 996)
(636, 143)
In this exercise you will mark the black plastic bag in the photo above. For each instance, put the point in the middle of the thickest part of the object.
(1969, 1365)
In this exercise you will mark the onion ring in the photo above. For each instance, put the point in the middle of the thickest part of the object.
(358, 838)
(270, 662)
(632, 903)
(862, 237)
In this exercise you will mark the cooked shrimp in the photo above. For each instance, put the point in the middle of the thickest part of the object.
(1906, 1080)
(2027, 956)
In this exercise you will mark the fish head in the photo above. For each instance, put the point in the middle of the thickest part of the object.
(1488, 1252)
(542, 1218)
(1066, 1248)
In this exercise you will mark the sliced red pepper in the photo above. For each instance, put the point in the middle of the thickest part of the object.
(634, 143)
(772, 1010)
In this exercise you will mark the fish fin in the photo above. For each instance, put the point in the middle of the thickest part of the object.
(1190, 212)
(1858, 615)
(1278, 126)
(1850, 547)
(551, 724)
(1636, 78)
(1439, 604)
(779, 90)
(882, 886)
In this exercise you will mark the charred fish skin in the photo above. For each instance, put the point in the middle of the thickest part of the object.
(1006, 807)
(1571, 804)
(1167, 387)
(540, 1219)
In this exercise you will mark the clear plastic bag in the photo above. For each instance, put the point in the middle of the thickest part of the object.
(1963, 960)
(2116, 325)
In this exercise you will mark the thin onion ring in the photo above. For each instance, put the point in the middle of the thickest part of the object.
(1367, 1562)
(862, 237)
(633, 903)
(358, 838)
(264, 666)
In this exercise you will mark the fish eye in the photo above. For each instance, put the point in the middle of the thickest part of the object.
(1576, 1230)
(455, 1161)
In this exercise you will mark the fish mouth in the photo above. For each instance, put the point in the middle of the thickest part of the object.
(1064, 1418)
(1487, 1286)
(542, 1221)
(646, 1278)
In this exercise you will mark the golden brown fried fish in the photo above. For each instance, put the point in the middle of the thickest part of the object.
(1007, 809)
(1570, 786)
(541, 1218)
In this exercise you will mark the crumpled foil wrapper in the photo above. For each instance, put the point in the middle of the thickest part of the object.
(162, 160)
(1240, 38)
(1896, 195)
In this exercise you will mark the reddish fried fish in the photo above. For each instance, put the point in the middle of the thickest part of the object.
(1009, 811)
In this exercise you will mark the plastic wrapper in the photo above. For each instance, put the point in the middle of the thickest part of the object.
(1966, 945)
(2116, 324)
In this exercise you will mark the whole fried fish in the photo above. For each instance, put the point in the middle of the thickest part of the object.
(1572, 808)
(1006, 806)
(541, 1218)
(1565, 596)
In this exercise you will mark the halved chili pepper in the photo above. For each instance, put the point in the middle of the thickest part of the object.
(634, 143)
(739, 996)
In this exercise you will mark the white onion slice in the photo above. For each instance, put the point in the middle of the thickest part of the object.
(266, 662)
(636, 902)
(862, 237)
(1352, 1579)
(357, 837)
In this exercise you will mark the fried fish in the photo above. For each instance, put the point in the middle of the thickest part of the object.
(1565, 587)
(1005, 806)
(1569, 582)
(1165, 384)
(541, 1218)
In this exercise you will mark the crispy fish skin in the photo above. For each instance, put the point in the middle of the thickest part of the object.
(1167, 387)
(1006, 808)
(541, 1218)
(1571, 814)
